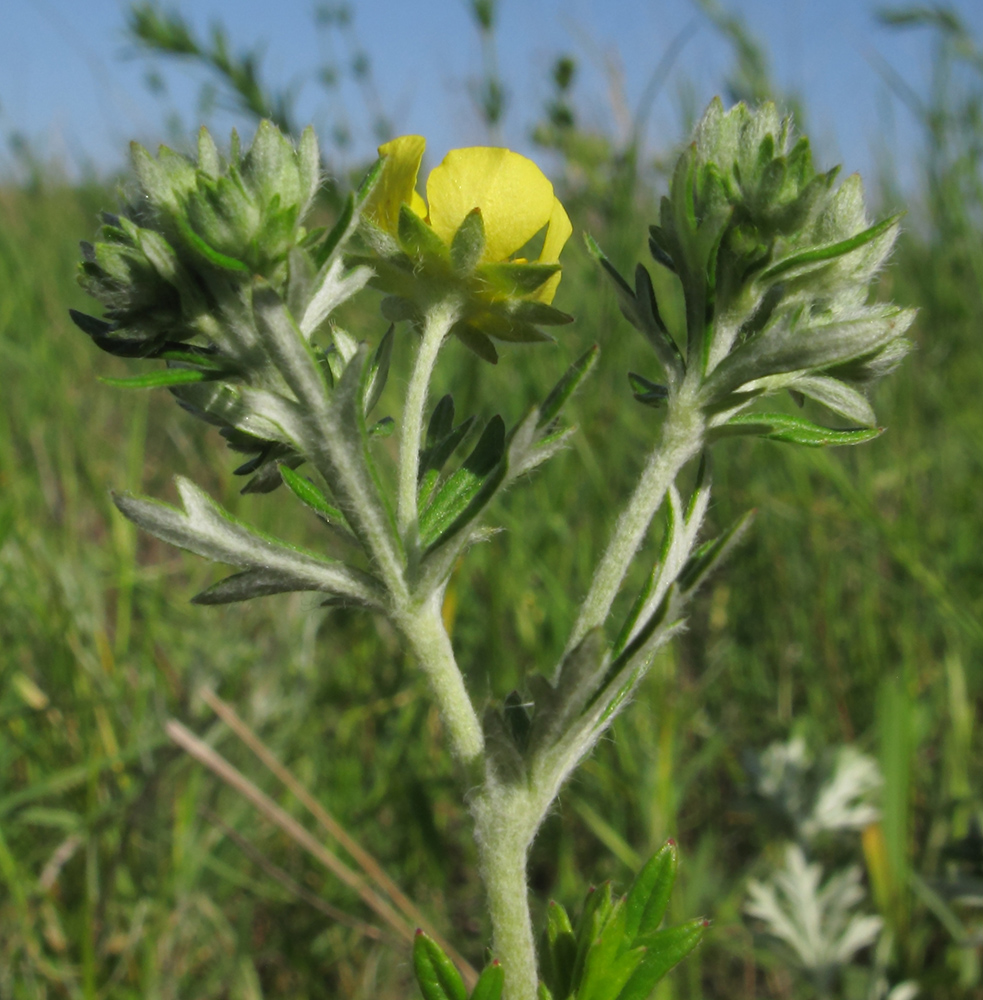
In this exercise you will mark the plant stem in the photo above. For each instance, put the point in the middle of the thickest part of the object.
(506, 819)
(440, 317)
(681, 439)
(424, 631)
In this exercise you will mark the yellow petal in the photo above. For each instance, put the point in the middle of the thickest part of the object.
(557, 234)
(397, 185)
(515, 198)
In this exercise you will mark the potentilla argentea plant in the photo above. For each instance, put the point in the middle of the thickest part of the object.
(212, 271)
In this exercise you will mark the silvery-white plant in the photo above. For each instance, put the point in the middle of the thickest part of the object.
(838, 793)
(212, 271)
(819, 923)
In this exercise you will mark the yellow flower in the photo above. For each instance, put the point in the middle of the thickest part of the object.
(513, 197)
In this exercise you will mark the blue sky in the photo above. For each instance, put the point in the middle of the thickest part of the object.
(72, 85)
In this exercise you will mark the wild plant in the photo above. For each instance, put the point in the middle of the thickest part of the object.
(760, 283)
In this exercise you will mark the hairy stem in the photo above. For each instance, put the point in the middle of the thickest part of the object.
(439, 319)
(682, 438)
(427, 637)
(505, 822)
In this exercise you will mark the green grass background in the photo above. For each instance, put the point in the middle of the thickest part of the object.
(852, 613)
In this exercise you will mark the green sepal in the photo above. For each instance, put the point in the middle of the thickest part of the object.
(154, 380)
(513, 280)
(490, 983)
(436, 974)
(538, 313)
(474, 340)
(468, 489)
(418, 240)
(543, 992)
(663, 950)
(507, 326)
(550, 408)
(646, 392)
(648, 897)
(307, 493)
(819, 255)
(468, 243)
(793, 430)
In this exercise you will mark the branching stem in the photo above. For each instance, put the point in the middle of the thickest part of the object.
(682, 438)
(428, 639)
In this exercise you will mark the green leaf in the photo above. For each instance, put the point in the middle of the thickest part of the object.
(490, 983)
(838, 397)
(193, 356)
(793, 430)
(609, 963)
(593, 917)
(252, 583)
(435, 972)
(653, 327)
(468, 243)
(309, 494)
(558, 951)
(626, 297)
(664, 949)
(649, 393)
(709, 555)
(819, 255)
(379, 370)
(166, 377)
(208, 530)
(550, 407)
(648, 897)
(382, 428)
(467, 491)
